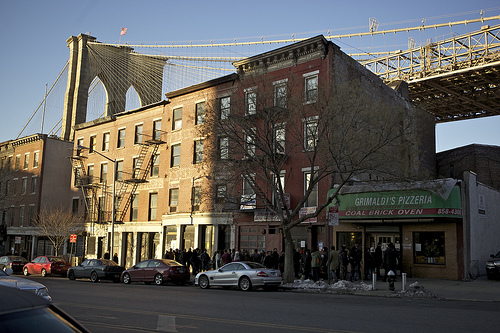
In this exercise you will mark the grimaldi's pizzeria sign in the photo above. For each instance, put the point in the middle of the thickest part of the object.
(399, 204)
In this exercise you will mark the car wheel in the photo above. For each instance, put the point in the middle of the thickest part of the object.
(158, 279)
(94, 277)
(126, 278)
(26, 272)
(245, 284)
(44, 272)
(203, 282)
(71, 275)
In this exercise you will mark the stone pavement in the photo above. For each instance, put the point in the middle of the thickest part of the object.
(480, 289)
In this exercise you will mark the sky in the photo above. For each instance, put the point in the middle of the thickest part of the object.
(34, 33)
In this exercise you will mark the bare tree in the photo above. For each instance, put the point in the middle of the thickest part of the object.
(341, 134)
(57, 225)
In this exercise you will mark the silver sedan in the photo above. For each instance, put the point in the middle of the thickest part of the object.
(243, 275)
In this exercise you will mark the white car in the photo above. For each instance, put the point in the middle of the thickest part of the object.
(243, 275)
(23, 284)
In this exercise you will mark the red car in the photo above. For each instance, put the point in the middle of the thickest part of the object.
(46, 265)
(158, 271)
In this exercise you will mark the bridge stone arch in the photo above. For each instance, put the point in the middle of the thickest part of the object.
(118, 68)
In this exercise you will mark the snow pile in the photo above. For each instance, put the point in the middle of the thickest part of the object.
(341, 286)
(415, 290)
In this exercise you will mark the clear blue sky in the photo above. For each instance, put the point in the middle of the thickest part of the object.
(34, 34)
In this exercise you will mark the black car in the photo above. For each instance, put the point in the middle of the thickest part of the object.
(15, 263)
(493, 266)
(26, 312)
(96, 269)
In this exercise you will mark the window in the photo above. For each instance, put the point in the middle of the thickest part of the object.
(248, 194)
(12, 213)
(134, 209)
(250, 102)
(21, 216)
(198, 151)
(24, 185)
(90, 173)
(31, 215)
(312, 200)
(138, 134)
(176, 155)
(121, 138)
(17, 163)
(34, 183)
(310, 133)
(196, 198)
(311, 88)
(7, 188)
(101, 209)
(429, 248)
(136, 168)
(225, 107)
(119, 170)
(250, 144)
(200, 113)
(14, 186)
(252, 238)
(177, 122)
(224, 148)
(157, 130)
(279, 138)
(173, 199)
(104, 173)
(280, 93)
(105, 141)
(26, 161)
(93, 144)
(221, 193)
(36, 156)
(74, 206)
(279, 180)
(153, 203)
(155, 167)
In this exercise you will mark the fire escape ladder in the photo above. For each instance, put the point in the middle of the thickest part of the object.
(83, 181)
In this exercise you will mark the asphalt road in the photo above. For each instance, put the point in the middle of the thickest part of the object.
(116, 307)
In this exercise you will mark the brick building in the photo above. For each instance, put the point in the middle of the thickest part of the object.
(36, 174)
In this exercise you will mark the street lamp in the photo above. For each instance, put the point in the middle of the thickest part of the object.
(113, 199)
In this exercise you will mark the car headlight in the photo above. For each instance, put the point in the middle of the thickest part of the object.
(42, 292)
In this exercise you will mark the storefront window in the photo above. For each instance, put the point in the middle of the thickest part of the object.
(429, 248)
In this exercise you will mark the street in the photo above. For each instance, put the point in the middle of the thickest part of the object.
(116, 307)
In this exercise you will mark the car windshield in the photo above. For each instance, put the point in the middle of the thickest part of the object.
(497, 255)
(254, 265)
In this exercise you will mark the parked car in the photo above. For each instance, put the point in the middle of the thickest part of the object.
(244, 275)
(158, 271)
(16, 263)
(46, 265)
(96, 269)
(493, 266)
(22, 284)
(24, 312)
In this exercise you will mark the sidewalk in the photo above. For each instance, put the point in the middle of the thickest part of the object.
(479, 290)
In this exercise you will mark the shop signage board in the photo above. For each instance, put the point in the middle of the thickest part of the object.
(399, 204)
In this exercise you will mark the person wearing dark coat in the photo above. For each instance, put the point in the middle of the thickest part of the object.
(307, 264)
(390, 260)
(379, 259)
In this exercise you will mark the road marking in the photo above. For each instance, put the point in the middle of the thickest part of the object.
(166, 324)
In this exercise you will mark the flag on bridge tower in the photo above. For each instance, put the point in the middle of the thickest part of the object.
(123, 31)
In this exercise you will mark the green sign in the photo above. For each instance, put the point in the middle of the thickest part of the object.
(399, 204)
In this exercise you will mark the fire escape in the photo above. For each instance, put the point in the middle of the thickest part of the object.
(98, 198)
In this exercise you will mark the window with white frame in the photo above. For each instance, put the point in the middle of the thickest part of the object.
(17, 162)
(90, 172)
(247, 194)
(138, 133)
(278, 180)
(225, 107)
(250, 143)
(134, 209)
(177, 119)
(119, 170)
(93, 144)
(200, 113)
(21, 215)
(224, 148)
(121, 138)
(311, 88)
(157, 129)
(26, 161)
(36, 156)
(34, 183)
(155, 167)
(175, 159)
(173, 199)
(280, 93)
(310, 133)
(153, 204)
(279, 138)
(135, 167)
(24, 185)
(104, 173)
(198, 152)
(312, 200)
(250, 101)
(105, 141)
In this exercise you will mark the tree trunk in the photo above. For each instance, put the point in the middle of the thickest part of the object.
(289, 274)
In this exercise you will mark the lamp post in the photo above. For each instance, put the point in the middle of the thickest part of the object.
(113, 199)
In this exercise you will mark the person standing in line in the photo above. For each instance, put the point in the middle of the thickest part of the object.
(226, 257)
(355, 259)
(315, 264)
(391, 261)
(307, 264)
(334, 264)
(344, 262)
(379, 258)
